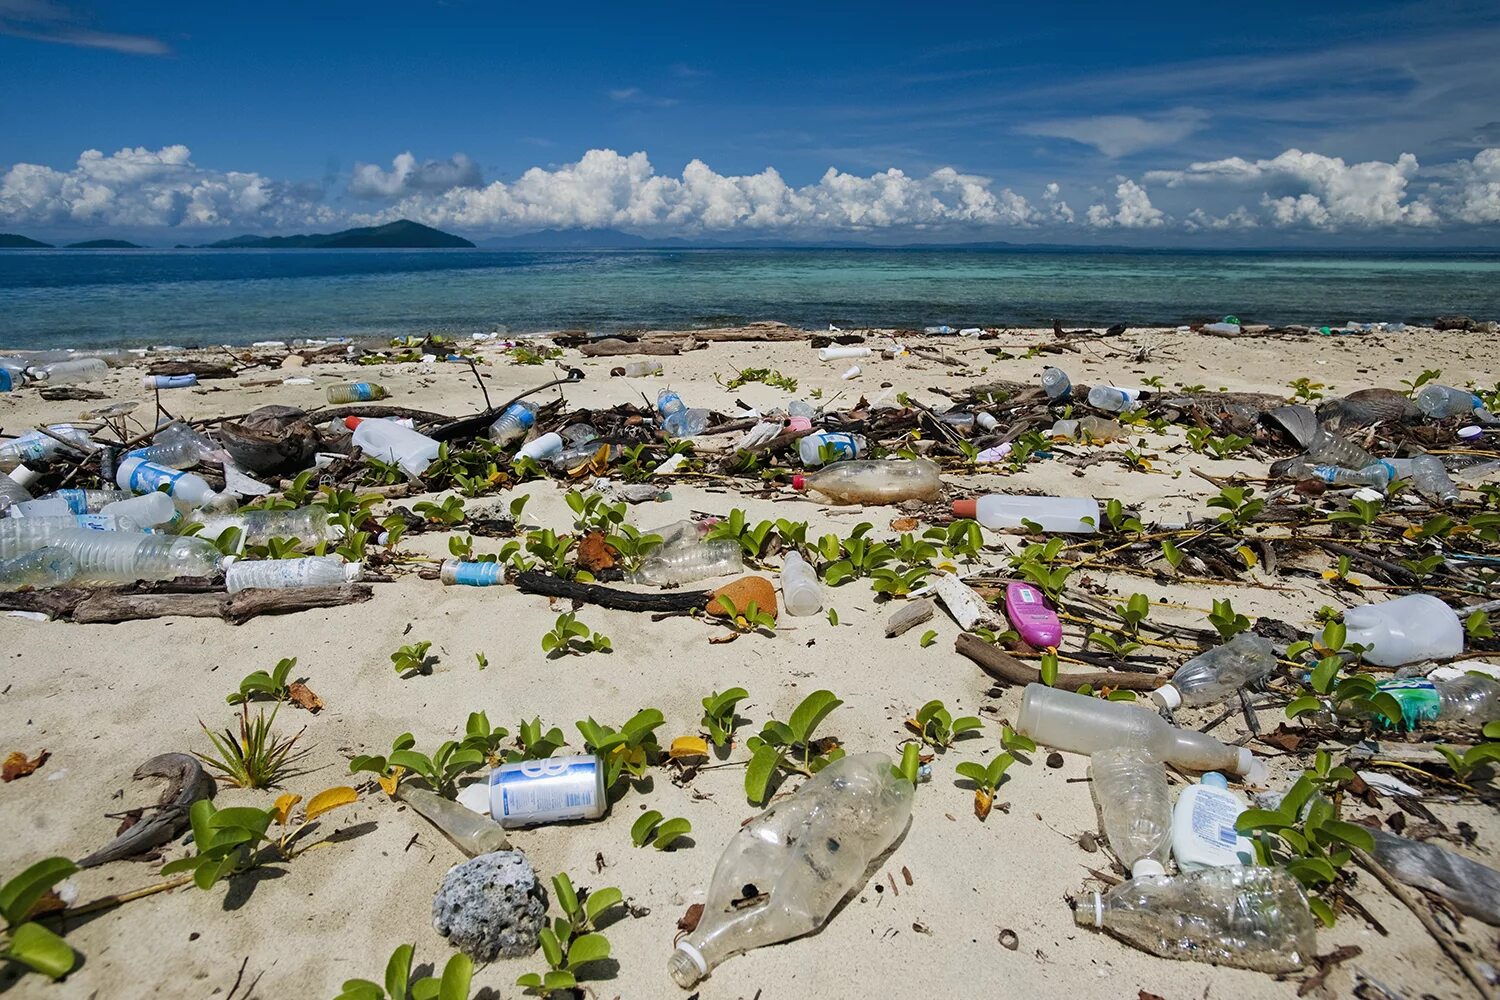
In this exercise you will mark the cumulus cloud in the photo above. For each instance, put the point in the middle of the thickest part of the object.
(1316, 190)
(1240, 218)
(145, 188)
(1052, 196)
(1121, 135)
(1475, 196)
(407, 176)
(607, 189)
(1133, 209)
(45, 21)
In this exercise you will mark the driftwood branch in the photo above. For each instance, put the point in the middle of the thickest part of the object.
(614, 347)
(909, 617)
(87, 606)
(1007, 669)
(678, 602)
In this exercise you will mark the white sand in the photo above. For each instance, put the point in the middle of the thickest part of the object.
(103, 698)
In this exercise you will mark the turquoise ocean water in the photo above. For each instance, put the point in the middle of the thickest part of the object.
(92, 298)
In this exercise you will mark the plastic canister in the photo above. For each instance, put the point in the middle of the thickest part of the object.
(533, 792)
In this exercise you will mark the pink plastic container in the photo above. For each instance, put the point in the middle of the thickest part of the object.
(1027, 610)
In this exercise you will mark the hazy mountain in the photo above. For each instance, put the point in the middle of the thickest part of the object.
(10, 241)
(402, 234)
(105, 245)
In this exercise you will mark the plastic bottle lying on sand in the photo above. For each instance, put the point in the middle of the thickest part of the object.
(1407, 630)
(125, 556)
(19, 535)
(1442, 401)
(881, 481)
(11, 492)
(79, 501)
(641, 369)
(844, 446)
(1375, 476)
(688, 562)
(1249, 918)
(1067, 515)
(468, 573)
(1218, 674)
(285, 574)
(49, 566)
(390, 442)
(1135, 807)
(34, 446)
(1036, 623)
(1056, 384)
(147, 510)
(1470, 698)
(801, 594)
(308, 525)
(676, 419)
(68, 372)
(356, 392)
(513, 423)
(1427, 473)
(141, 476)
(153, 382)
(543, 448)
(469, 831)
(802, 856)
(177, 446)
(843, 353)
(1331, 449)
(1081, 724)
(1113, 399)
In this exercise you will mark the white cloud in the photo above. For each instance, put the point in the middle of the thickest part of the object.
(1240, 218)
(148, 188)
(1052, 195)
(407, 176)
(1121, 135)
(1320, 191)
(1476, 197)
(1133, 209)
(45, 21)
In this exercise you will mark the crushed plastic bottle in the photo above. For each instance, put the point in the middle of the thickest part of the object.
(783, 874)
(688, 561)
(49, 566)
(676, 419)
(1113, 399)
(1246, 917)
(513, 423)
(1066, 515)
(875, 482)
(1375, 476)
(1442, 401)
(34, 446)
(390, 442)
(309, 525)
(1407, 630)
(1135, 807)
(843, 447)
(1331, 449)
(1056, 384)
(801, 594)
(285, 574)
(1218, 674)
(1081, 724)
(356, 392)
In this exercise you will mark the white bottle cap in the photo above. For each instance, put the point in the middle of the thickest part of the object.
(1167, 696)
(1146, 867)
(695, 955)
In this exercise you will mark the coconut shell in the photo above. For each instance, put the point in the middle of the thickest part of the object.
(742, 592)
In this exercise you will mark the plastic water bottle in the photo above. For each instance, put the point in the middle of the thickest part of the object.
(1469, 698)
(1331, 449)
(11, 492)
(1427, 473)
(20, 535)
(1056, 384)
(1067, 515)
(148, 509)
(689, 561)
(1246, 917)
(513, 423)
(1409, 629)
(1113, 399)
(1081, 724)
(177, 446)
(641, 369)
(802, 856)
(284, 574)
(309, 525)
(140, 476)
(880, 481)
(845, 446)
(76, 501)
(543, 449)
(126, 556)
(1219, 673)
(355, 392)
(676, 419)
(843, 353)
(1442, 401)
(68, 372)
(1135, 806)
(466, 573)
(150, 382)
(49, 566)
(801, 594)
(390, 442)
(34, 446)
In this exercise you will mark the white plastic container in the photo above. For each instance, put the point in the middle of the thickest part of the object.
(1066, 515)
(533, 792)
(390, 442)
(543, 448)
(140, 476)
(1407, 630)
(852, 372)
(149, 509)
(801, 594)
(1203, 833)
(843, 353)
(810, 447)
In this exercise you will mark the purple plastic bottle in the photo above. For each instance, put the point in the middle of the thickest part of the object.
(1036, 623)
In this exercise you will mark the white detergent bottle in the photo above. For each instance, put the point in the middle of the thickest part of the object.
(1203, 834)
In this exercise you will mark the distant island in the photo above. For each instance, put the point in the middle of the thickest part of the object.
(399, 235)
(10, 241)
(105, 245)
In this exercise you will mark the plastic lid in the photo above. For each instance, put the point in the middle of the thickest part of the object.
(352, 422)
(965, 508)
(695, 955)
(799, 482)
(352, 571)
(1470, 432)
(1167, 696)
(1147, 866)
(1213, 779)
(24, 476)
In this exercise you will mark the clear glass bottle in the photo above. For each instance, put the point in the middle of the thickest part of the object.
(879, 481)
(1218, 674)
(467, 830)
(785, 871)
(1135, 807)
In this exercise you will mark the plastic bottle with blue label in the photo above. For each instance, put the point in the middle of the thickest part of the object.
(1203, 833)
(513, 423)
(34, 446)
(843, 446)
(533, 792)
(467, 573)
(149, 382)
(676, 419)
(140, 476)
(356, 392)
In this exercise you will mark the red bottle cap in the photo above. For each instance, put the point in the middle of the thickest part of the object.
(352, 422)
(799, 482)
(965, 508)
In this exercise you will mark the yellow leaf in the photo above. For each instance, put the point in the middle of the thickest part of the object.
(1414, 531)
(1247, 554)
(330, 798)
(688, 746)
(632, 756)
(284, 806)
(983, 802)
(389, 783)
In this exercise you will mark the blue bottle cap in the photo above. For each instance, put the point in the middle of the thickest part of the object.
(1214, 779)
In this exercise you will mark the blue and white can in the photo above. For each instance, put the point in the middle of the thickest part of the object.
(555, 790)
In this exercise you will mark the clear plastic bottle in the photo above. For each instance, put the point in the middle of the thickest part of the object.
(1470, 698)
(1135, 807)
(690, 561)
(1081, 724)
(469, 831)
(784, 872)
(11, 492)
(285, 574)
(154, 382)
(309, 525)
(81, 501)
(34, 446)
(641, 369)
(801, 594)
(1218, 674)
(68, 372)
(1056, 384)
(1067, 515)
(49, 566)
(149, 509)
(844, 446)
(177, 446)
(1407, 630)
(1113, 399)
(513, 423)
(127, 556)
(676, 419)
(578, 433)
(390, 442)
(141, 476)
(1376, 475)
(356, 392)
(20, 535)
(1246, 917)
(879, 481)
(1430, 477)
(1442, 401)
(1331, 449)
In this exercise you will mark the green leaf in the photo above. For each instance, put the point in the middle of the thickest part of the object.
(601, 900)
(813, 710)
(551, 947)
(1324, 673)
(567, 897)
(1481, 753)
(1311, 871)
(640, 831)
(398, 971)
(974, 772)
(21, 893)
(1048, 669)
(530, 981)
(670, 831)
(1492, 730)
(586, 948)
(966, 724)
(1349, 833)
(1301, 706)
(1322, 910)
(928, 638)
(758, 774)
(558, 980)
(1256, 819)
(457, 975)
(37, 948)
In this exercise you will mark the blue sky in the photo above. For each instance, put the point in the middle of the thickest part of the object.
(1271, 123)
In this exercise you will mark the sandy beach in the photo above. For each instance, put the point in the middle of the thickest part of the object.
(103, 698)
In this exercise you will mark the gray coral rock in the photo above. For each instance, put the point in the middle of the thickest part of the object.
(491, 906)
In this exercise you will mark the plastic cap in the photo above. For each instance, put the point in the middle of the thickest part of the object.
(1213, 779)
(1246, 763)
(799, 482)
(352, 422)
(965, 508)
(1167, 696)
(695, 955)
(1469, 433)
(1147, 866)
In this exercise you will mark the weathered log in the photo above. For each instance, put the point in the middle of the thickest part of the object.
(202, 369)
(87, 606)
(1007, 669)
(678, 601)
(910, 616)
(613, 346)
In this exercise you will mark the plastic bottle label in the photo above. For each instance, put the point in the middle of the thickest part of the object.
(543, 790)
(478, 574)
(148, 478)
(842, 444)
(668, 402)
(170, 381)
(1213, 820)
(96, 522)
(522, 415)
(1327, 473)
(1418, 699)
(361, 391)
(76, 500)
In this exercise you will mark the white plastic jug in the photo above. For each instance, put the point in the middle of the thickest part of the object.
(1409, 629)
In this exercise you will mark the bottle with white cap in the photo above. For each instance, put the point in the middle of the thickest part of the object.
(1219, 673)
(1203, 833)
(1135, 807)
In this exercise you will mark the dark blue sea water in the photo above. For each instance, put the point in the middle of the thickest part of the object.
(91, 298)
